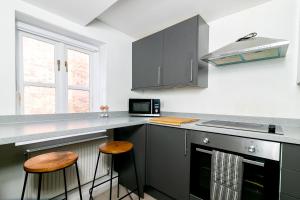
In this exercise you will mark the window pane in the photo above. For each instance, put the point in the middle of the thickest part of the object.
(78, 101)
(39, 100)
(79, 64)
(38, 61)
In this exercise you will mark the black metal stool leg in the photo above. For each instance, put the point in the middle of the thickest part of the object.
(65, 183)
(136, 179)
(136, 175)
(111, 176)
(91, 190)
(118, 192)
(78, 179)
(40, 185)
(24, 186)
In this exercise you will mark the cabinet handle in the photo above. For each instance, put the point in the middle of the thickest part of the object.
(66, 66)
(185, 143)
(191, 65)
(158, 75)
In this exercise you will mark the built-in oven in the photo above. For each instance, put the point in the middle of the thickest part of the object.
(144, 107)
(261, 174)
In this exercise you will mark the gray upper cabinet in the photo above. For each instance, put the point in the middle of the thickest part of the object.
(171, 57)
(180, 53)
(146, 61)
(167, 161)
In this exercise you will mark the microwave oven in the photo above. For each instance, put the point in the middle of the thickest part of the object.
(144, 107)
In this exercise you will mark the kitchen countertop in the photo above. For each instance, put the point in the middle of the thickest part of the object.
(22, 132)
(17, 131)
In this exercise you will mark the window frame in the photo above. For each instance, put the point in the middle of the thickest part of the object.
(61, 45)
(91, 63)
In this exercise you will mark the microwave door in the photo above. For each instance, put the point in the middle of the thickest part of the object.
(140, 107)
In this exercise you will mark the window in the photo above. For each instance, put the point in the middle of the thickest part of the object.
(78, 81)
(54, 75)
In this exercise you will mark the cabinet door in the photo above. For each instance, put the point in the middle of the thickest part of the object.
(124, 162)
(180, 63)
(286, 197)
(291, 157)
(167, 161)
(146, 61)
(290, 183)
(290, 171)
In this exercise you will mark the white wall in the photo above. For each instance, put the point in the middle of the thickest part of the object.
(7, 52)
(116, 45)
(265, 88)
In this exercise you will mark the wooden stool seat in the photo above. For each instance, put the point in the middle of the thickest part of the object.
(115, 147)
(50, 162)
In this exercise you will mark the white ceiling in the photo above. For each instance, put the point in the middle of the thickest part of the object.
(139, 18)
(78, 11)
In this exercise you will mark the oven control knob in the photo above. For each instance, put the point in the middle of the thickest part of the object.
(206, 140)
(251, 149)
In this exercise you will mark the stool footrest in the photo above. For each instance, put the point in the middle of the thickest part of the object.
(101, 184)
(129, 193)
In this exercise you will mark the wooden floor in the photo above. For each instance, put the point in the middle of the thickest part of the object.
(105, 195)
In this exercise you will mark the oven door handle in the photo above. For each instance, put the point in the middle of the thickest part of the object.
(252, 162)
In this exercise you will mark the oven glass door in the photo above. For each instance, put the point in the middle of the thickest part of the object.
(140, 106)
(259, 182)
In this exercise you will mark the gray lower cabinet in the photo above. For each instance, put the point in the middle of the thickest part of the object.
(286, 197)
(290, 183)
(290, 172)
(124, 162)
(291, 157)
(147, 61)
(167, 168)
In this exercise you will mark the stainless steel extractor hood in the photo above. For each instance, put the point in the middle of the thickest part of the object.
(247, 49)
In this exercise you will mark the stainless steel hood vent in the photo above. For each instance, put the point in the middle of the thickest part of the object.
(247, 49)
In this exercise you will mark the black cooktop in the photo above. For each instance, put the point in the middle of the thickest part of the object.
(245, 126)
